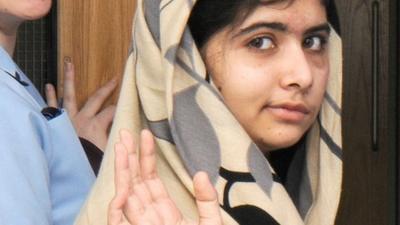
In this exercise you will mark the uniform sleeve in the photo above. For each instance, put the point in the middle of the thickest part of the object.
(24, 175)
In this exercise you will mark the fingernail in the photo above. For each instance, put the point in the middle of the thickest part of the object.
(48, 87)
(67, 59)
(67, 62)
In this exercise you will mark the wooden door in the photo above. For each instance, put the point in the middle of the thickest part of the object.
(369, 35)
(96, 34)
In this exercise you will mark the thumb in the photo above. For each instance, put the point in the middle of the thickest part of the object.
(206, 200)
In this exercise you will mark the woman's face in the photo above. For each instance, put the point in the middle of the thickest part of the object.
(17, 11)
(272, 70)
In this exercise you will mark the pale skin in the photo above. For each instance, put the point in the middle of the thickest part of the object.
(91, 122)
(271, 70)
(280, 72)
(140, 194)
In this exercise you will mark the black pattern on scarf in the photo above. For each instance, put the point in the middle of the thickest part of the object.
(244, 214)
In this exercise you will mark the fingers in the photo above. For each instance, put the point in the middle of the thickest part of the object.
(138, 186)
(148, 167)
(121, 185)
(147, 157)
(103, 121)
(206, 200)
(128, 142)
(127, 174)
(105, 117)
(140, 207)
(134, 209)
(139, 198)
(96, 100)
(69, 95)
(51, 96)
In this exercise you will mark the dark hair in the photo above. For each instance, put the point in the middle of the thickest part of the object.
(210, 16)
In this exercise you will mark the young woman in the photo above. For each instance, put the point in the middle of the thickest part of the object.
(248, 92)
(44, 173)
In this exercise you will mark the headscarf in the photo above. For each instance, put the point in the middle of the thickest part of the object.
(164, 89)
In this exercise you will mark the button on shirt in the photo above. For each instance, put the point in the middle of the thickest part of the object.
(44, 173)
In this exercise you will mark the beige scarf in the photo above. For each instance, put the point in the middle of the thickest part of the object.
(164, 89)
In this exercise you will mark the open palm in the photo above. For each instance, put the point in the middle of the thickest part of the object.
(141, 198)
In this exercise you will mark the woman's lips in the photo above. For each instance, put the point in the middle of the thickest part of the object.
(289, 112)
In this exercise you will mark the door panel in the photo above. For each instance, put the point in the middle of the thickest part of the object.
(96, 35)
(369, 173)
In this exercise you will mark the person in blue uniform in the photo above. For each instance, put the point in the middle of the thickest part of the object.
(45, 175)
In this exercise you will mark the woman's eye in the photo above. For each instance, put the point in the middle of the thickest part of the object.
(262, 43)
(314, 43)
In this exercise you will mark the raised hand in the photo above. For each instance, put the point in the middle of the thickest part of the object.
(89, 122)
(141, 198)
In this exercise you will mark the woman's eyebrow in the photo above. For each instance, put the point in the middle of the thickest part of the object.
(324, 27)
(273, 25)
(319, 28)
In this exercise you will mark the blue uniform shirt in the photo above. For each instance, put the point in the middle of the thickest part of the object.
(44, 173)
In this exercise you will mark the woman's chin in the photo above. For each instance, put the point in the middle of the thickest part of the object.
(277, 143)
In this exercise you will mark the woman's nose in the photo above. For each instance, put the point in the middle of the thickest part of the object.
(297, 73)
